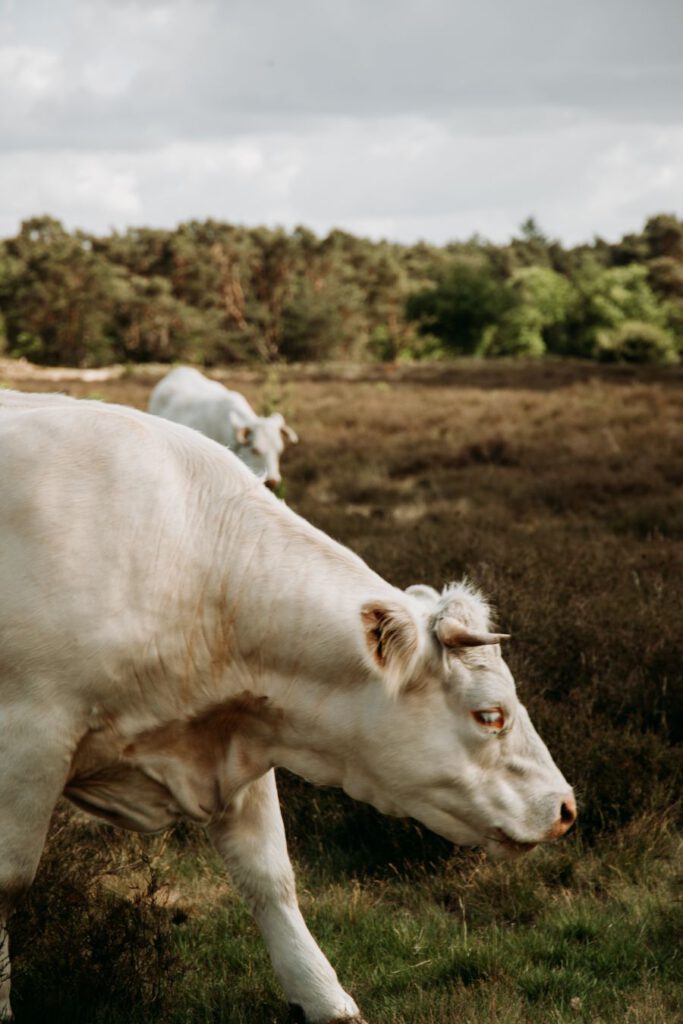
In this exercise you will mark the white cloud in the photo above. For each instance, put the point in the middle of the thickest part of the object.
(637, 173)
(91, 191)
(28, 71)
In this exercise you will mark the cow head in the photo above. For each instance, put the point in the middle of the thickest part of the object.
(449, 742)
(260, 443)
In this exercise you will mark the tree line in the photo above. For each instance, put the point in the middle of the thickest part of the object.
(214, 293)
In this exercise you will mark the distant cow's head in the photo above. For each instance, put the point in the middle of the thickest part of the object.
(453, 746)
(260, 444)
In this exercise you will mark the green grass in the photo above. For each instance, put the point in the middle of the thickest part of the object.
(571, 934)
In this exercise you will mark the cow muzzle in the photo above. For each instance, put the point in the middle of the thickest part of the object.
(565, 818)
(501, 844)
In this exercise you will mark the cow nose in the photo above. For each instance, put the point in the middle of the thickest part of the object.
(567, 816)
(272, 482)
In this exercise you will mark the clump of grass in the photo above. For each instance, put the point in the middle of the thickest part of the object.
(93, 936)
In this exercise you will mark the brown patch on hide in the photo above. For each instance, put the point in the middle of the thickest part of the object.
(189, 767)
(205, 737)
(222, 645)
(97, 748)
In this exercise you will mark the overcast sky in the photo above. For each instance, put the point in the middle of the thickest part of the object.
(402, 119)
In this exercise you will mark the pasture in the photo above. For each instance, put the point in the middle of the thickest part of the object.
(558, 488)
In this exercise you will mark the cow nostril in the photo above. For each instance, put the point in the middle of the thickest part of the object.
(568, 812)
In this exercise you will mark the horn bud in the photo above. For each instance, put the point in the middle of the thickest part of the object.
(453, 633)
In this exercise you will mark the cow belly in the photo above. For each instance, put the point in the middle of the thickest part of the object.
(125, 796)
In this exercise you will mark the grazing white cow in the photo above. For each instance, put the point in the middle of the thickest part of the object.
(187, 396)
(170, 633)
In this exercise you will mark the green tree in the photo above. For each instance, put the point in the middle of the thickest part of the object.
(148, 324)
(55, 294)
(605, 300)
(541, 300)
(214, 292)
(664, 235)
(633, 341)
(466, 300)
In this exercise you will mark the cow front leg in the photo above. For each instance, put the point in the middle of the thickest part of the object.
(32, 774)
(250, 836)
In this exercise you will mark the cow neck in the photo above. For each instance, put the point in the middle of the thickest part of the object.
(293, 599)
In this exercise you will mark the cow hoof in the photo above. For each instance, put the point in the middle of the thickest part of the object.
(297, 1016)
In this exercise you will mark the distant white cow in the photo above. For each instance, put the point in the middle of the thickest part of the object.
(187, 396)
(170, 633)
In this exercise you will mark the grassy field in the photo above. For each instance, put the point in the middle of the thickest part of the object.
(558, 488)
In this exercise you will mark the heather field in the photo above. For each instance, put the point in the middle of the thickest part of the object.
(558, 488)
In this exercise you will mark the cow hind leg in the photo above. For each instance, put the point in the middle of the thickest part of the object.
(32, 775)
(4, 973)
(21, 844)
(250, 836)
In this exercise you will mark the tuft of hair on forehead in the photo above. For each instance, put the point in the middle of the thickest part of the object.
(466, 603)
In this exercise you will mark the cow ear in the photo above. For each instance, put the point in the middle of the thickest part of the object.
(286, 431)
(288, 434)
(452, 633)
(242, 430)
(392, 640)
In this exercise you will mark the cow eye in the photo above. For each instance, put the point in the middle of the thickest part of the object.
(490, 718)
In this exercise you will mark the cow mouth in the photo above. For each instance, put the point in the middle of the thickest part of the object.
(509, 846)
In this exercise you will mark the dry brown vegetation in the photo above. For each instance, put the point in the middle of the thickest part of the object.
(556, 487)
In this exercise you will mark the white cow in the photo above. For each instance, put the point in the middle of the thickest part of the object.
(186, 396)
(170, 633)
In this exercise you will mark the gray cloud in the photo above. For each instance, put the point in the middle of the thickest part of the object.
(407, 116)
